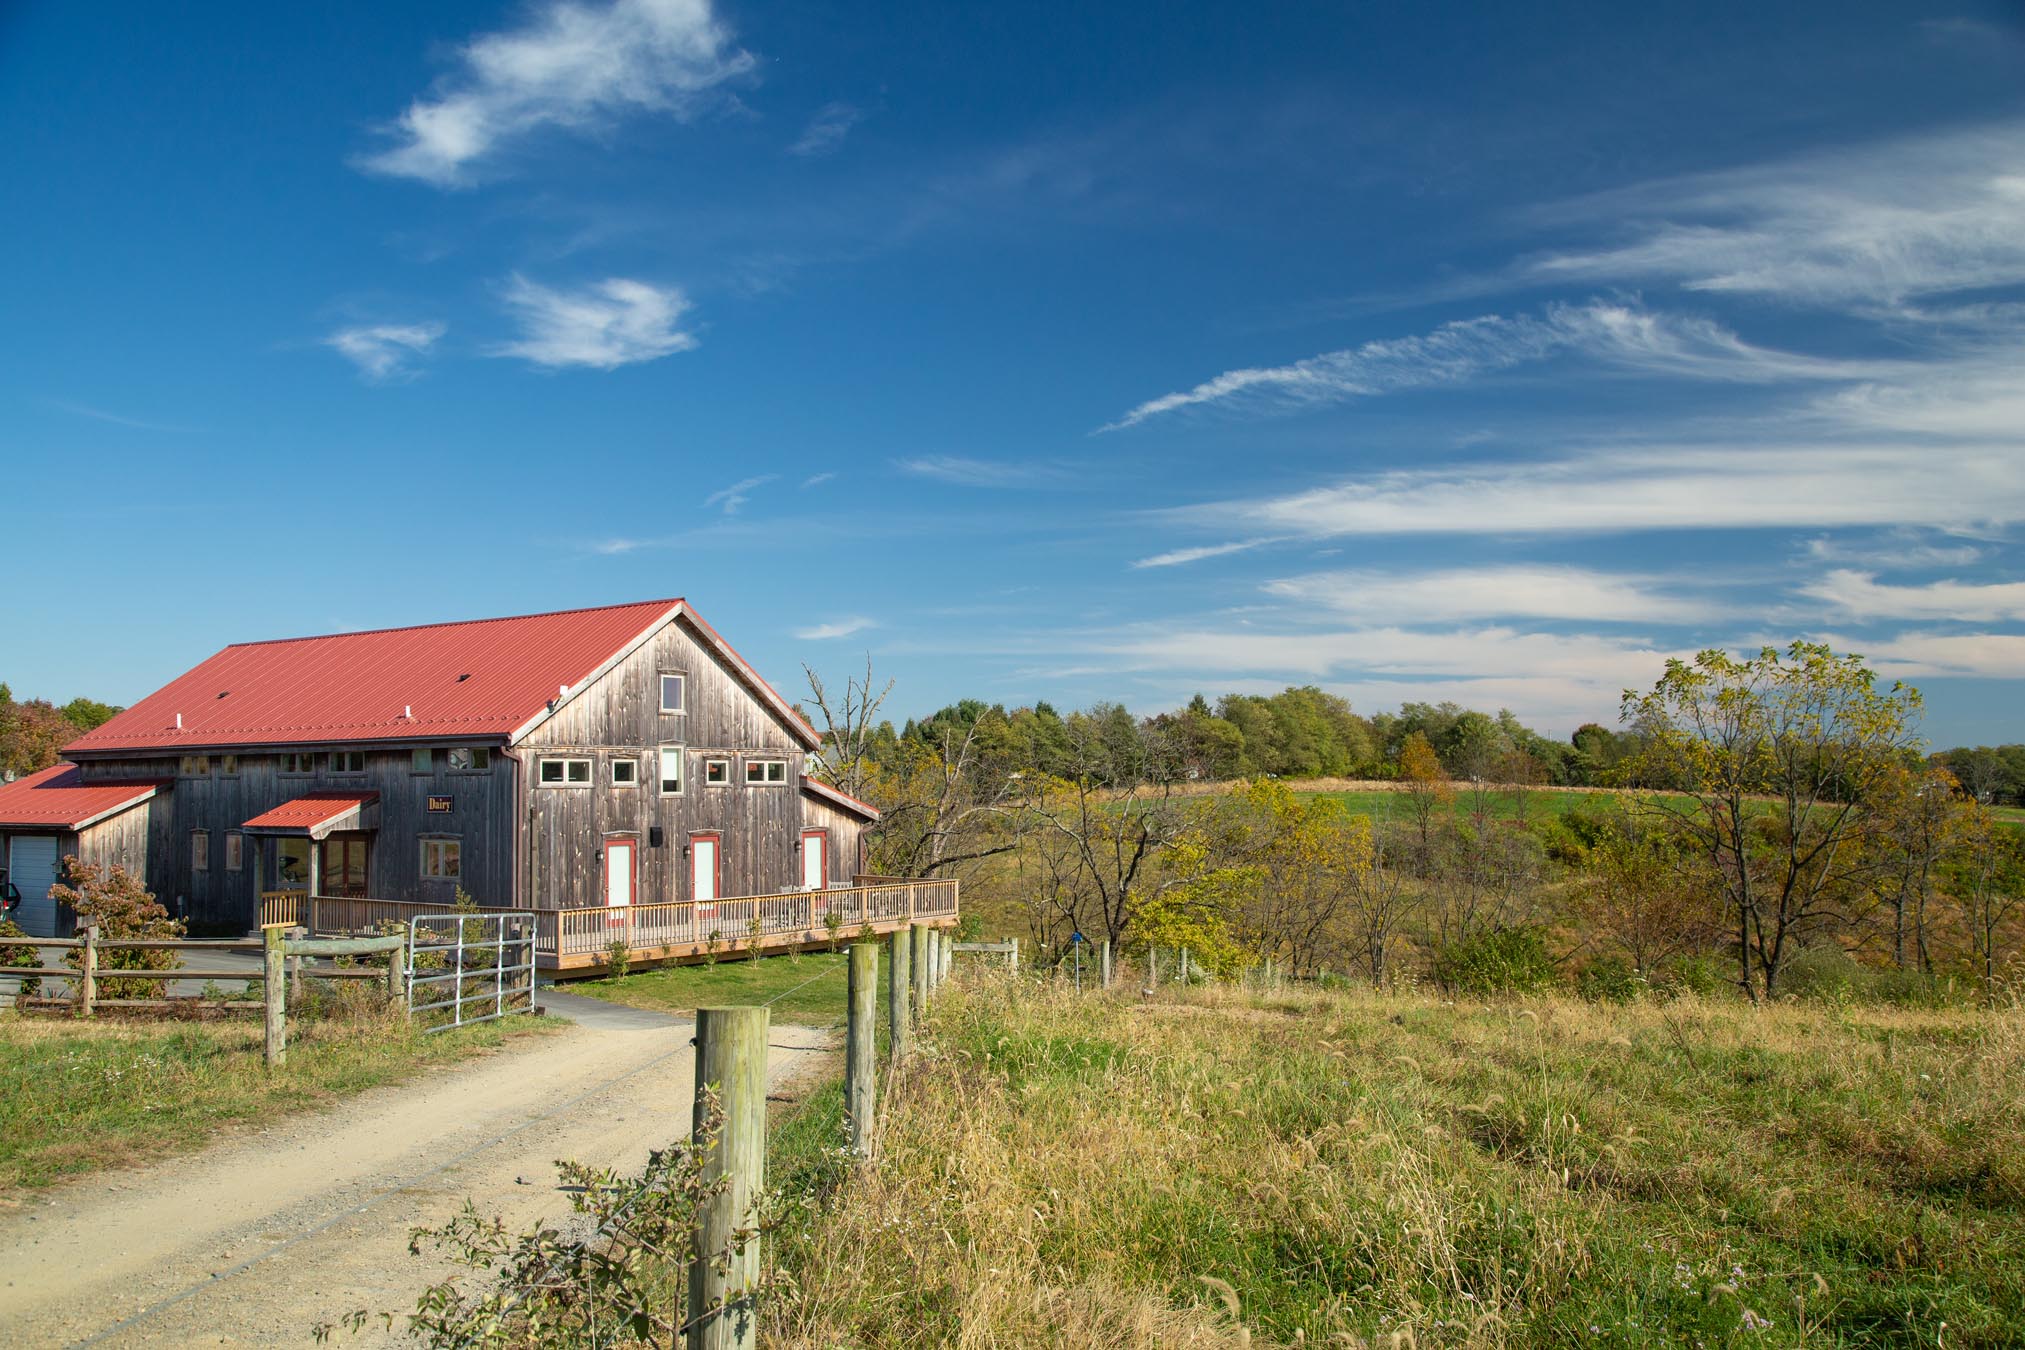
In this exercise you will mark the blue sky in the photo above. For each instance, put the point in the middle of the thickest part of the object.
(1059, 351)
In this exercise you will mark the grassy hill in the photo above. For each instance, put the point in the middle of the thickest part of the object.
(1216, 1168)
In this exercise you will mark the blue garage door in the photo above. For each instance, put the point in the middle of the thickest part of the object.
(31, 865)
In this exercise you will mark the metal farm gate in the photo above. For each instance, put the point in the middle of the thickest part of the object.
(465, 968)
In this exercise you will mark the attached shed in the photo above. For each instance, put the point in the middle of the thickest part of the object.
(54, 814)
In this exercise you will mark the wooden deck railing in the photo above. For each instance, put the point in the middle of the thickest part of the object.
(674, 929)
(348, 914)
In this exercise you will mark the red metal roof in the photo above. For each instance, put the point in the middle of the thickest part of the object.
(311, 810)
(839, 797)
(487, 679)
(58, 798)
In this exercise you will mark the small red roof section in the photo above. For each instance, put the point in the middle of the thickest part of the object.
(311, 811)
(58, 798)
(841, 798)
(490, 679)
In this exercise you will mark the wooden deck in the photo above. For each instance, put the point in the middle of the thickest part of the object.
(577, 942)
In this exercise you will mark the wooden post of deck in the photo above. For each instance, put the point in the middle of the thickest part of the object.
(898, 975)
(276, 991)
(724, 1251)
(919, 956)
(860, 1058)
(87, 970)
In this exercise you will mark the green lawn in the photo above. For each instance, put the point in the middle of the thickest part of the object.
(806, 990)
(79, 1096)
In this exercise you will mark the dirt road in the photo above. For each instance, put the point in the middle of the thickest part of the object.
(253, 1242)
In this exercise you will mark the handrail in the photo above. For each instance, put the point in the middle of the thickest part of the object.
(732, 923)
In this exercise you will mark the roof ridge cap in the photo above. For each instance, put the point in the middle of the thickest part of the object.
(668, 603)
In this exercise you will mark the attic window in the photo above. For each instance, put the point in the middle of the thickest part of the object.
(672, 691)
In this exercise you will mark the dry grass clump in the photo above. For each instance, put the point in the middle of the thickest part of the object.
(1217, 1168)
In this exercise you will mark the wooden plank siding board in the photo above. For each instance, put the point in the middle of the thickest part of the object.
(619, 716)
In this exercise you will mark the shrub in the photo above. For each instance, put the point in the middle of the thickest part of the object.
(619, 958)
(20, 956)
(1503, 961)
(1608, 979)
(114, 899)
(1695, 973)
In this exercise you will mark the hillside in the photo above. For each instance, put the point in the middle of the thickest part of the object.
(1216, 1168)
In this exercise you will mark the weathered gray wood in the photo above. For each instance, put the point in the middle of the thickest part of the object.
(1104, 965)
(87, 974)
(277, 1011)
(1006, 947)
(724, 1255)
(860, 1057)
(342, 946)
(899, 976)
(919, 957)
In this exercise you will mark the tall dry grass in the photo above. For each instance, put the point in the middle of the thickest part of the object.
(1216, 1168)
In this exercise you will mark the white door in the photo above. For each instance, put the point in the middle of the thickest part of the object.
(31, 866)
(815, 860)
(703, 868)
(619, 871)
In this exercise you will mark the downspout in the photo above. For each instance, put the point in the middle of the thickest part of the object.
(521, 864)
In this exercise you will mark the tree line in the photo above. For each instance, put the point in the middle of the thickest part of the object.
(1774, 824)
(33, 732)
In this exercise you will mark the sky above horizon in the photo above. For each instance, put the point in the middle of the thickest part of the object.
(1060, 351)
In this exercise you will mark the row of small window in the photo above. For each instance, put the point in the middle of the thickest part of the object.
(461, 759)
(441, 855)
(567, 771)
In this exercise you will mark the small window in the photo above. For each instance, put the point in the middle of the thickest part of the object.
(716, 772)
(235, 851)
(671, 770)
(347, 761)
(625, 773)
(422, 761)
(441, 859)
(296, 762)
(471, 759)
(672, 691)
(765, 771)
(228, 766)
(196, 766)
(200, 850)
(565, 773)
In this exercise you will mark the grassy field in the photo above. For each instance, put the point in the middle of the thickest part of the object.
(1383, 804)
(77, 1097)
(1222, 1169)
(806, 990)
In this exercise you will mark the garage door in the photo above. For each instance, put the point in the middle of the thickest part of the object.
(31, 865)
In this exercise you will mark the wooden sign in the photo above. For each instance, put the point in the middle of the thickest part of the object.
(438, 805)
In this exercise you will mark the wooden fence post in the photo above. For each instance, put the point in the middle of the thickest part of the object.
(860, 1058)
(293, 964)
(395, 986)
(919, 956)
(87, 971)
(277, 992)
(1104, 966)
(898, 975)
(1184, 967)
(724, 1254)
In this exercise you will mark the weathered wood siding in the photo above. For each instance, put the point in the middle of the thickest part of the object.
(480, 819)
(619, 716)
(844, 830)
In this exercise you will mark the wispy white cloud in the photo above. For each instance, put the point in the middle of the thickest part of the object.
(112, 418)
(1896, 549)
(817, 479)
(1177, 556)
(614, 547)
(1619, 334)
(1916, 654)
(613, 323)
(827, 129)
(576, 66)
(1452, 595)
(385, 351)
(1860, 594)
(836, 628)
(1687, 487)
(1874, 225)
(735, 496)
(981, 473)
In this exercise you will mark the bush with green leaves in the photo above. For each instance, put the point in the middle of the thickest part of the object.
(1608, 979)
(20, 956)
(1502, 961)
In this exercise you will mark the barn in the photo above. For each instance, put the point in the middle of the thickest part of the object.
(607, 759)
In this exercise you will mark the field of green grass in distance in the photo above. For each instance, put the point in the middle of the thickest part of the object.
(804, 990)
(1218, 1168)
(79, 1096)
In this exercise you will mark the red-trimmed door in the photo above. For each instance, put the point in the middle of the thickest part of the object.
(622, 872)
(815, 860)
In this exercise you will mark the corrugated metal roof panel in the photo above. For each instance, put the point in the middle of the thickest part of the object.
(482, 679)
(58, 798)
(311, 810)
